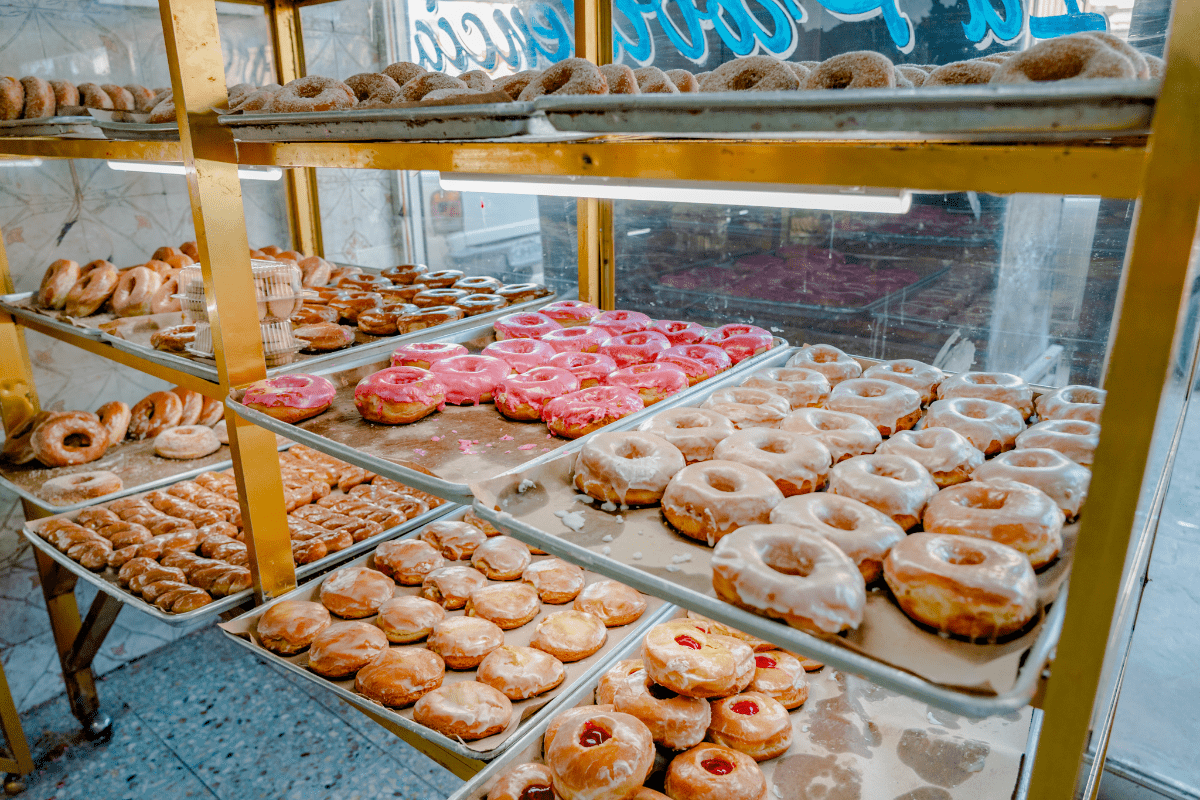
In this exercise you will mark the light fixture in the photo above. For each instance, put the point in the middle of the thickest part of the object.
(770, 195)
(245, 173)
(20, 162)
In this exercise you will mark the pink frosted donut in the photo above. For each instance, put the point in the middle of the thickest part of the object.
(398, 395)
(741, 341)
(290, 398)
(579, 413)
(699, 361)
(570, 312)
(680, 332)
(424, 354)
(652, 382)
(590, 368)
(619, 322)
(640, 347)
(529, 325)
(522, 397)
(521, 354)
(827, 360)
(470, 379)
(576, 339)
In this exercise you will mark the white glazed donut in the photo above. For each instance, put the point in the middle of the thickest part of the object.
(894, 485)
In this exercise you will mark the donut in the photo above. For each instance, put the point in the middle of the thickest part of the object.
(620, 79)
(694, 431)
(513, 85)
(576, 339)
(153, 414)
(864, 534)
(914, 75)
(614, 604)
(962, 73)
(121, 97)
(174, 339)
(520, 673)
(343, 648)
(290, 398)
(57, 282)
(363, 283)
(780, 676)
(186, 442)
(698, 361)
(895, 485)
(889, 406)
(570, 76)
(524, 325)
(373, 90)
(750, 74)
(470, 379)
(570, 313)
(916, 375)
(311, 93)
(521, 292)
(350, 304)
(463, 642)
(748, 408)
(569, 635)
(405, 274)
(948, 455)
(752, 723)
(97, 281)
(211, 411)
(962, 585)
(450, 587)
(403, 71)
(652, 80)
(39, 98)
(740, 341)
(501, 558)
(684, 81)
(164, 300)
(407, 562)
(476, 285)
(324, 337)
(1065, 58)
(653, 382)
(408, 619)
(192, 403)
(438, 297)
(680, 332)
(421, 319)
(398, 395)
(478, 80)
(555, 580)
(802, 388)
(1048, 470)
(682, 658)
(1020, 516)
(713, 772)
(798, 464)
(1002, 387)
(640, 347)
(618, 323)
(1155, 66)
(289, 626)
(92, 96)
(455, 540)
(315, 271)
(475, 304)
(709, 500)
(374, 321)
(508, 605)
(1076, 439)
(356, 592)
(114, 417)
(524, 781)
(143, 98)
(587, 410)
(467, 710)
(400, 677)
(65, 94)
(523, 397)
(1072, 402)
(674, 721)
(521, 355)
(590, 368)
(826, 359)
(425, 84)
(135, 291)
(859, 69)
(424, 354)
(990, 426)
(78, 487)
(12, 98)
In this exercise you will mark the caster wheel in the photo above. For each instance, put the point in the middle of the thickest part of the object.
(13, 785)
(99, 728)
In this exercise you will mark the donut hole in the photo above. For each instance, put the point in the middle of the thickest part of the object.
(722, 483)
(991, 501)
(79, 440)
(789, 561)
(838, 518)
(983, 380)
(974, 411)
(593, 734)
(632, 450)
(744, 707)
(889, 471)
(692, 422)
(968, 559)
(717, 766)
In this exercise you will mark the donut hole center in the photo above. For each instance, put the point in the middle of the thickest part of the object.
(788, 561)
(777, 446)
(888, 471)
(77, 440)
(837, 518)
(765, 662)
(987, 500)
(1025, 458)
(632, 450)
(829, 425)
(691, 422)
(1084, 397)
(983, 380)
(683, 640)
(722, 483)
(593, 734)
(660, 692)
(1075, 428)
(717, 766)
(746, 708)
(974, 411)
(820, 356)
(870, 391)
(965, 558)
(537, 792)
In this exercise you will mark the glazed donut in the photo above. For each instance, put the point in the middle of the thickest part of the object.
(57, 283)
(39, 98)
(65, 94)
(398, 395)
(289, 626)
(750, 74)
(165, 252)
(315, 271)
(501, 558)
(463, 642)
(895, 485)
(290, 398)
(620, 79)
(521, 292)
(520, 673)
(948, 455)
(1048, 470)
(579, 413)
(555, 580)
(442, 279)
(680, 332)
(780, 676)
(161, 268)
(798, 464)
(467, 710)
(324, 337)
(961, 585)
(674, 721)
(373, 90)
(568, 77)
(749, 408)
(1072, 402)
(474, 304)
(408, 619)
(569, 635)
(521, 355)
(740, 341)
(1001, 387)
(311, 93)
(826, 359)
(1065, 58)
(211, 411)
(470, 379)
(455, 540)
(407, 562)
(508, 605)
(640, 347)
(350, 304)
(990, 426)
(1020, 516)
(694, 431)
(802, 388)
(451, 587)
(398, 678)
(143, 98)
(614, 604)
(81, 486)
(595, 753)
(482, 284)
(192, 403)
(523, 782)
(698, 361)
(962, 73)
(570, 313)
(690, 662)
(576, 339)
(523, 397)
(862, 533)
(186, 442)
(97, 281)
(122, 99)
(752, 723)
(175, 339)
(916, 375)
(652, 80)
(525, 325)
(618, 323)
(135, 291)
(421, 319)
(889, 406)
(590, 368)
(153, 414)
(344, 648)
(438, 297)
(311, 313)
(405, 274)
(360, 282)
(164, 301)
(92, 96)
(1074, 438)
(12, 98)
(356, 592)
(709, 500)
(374, 321)
(653, 382)
(713, 772)
(860, 69)
(114, 417)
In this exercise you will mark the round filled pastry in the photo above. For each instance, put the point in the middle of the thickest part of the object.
(797, 463)
(896, 485)
(614, 604)
(523, 782)
(948, 455)
(408, 619)
(501, 558)
(466, 710)
(407, 562)
(828, 360)
(962, 585)
(344, 648)
(556, 581)
(711, 499)
(463, 642)
(289, 626)
(802, 388)
(569, 635)
(752, 723)
(521, 672)
(694, 431)
(846, 435)
(675, 722)
(690, 662)
(1049, 470)
(780, 675)
(599, 755)
(1020, 516)
(749, 408)
(889, 406)
(626, 467)
(859, 531)
(401, 676)
(1000, 387)
(509, 605)
(991, 426)
(451, 587)
(714, 772)
(356, 592)
(290, 398)
(611, 681)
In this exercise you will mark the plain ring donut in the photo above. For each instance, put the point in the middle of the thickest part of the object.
(828, 360)
(1049, 470)
(751, 74)
(948, 455)
(1072, 402)
(990, 426)
(860, 69)
(846, 435)
(1074, 438)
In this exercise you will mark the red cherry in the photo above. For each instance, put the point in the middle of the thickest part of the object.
(717, 766)
(688, 641)
(765, 662)
(747, 707)
(537, 792)
(592, 735)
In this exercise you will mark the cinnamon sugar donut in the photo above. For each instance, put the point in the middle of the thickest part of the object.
(846, 435)
(569, 76)
(65, 94)
(1065, 58)
(312, 93)
(614, 604)
(408, 619)
(610, 682)
(1140, 66)
(186, 442)
(713, 772)
(82, 486)
(990, 426)
(1074, 438)
(915, 75)
(860, 69)
(652, 80)
(92, 96)
(397, 678)
(403, 71)
(12, 98)
(675, 722)
(1015, 514)
(962, 73)
(57, 282)
(916, 375)
(896, 485)
(143, 98)
(39, 98)
(620, 79)
(695, 432)
(556, 581)
(626, 467)
(1048, 470)
(569, 635)
(684, 81)
(692, 663)
(750, 74)
(373, 90)
(1072, 402)
(115, 418)
(796, 463)
(948, 455)
(826, 359)
(122, 99)
(463, 642)
(513, 85)
(748, 408)
(802, 388)
(520, 672)
(467, 710)
(1002, 387)
(709, 500)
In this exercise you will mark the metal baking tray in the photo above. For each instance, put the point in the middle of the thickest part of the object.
(684, 578)
(21, 305)
(73, 127)
(107, 581)
(525, 712)
(1068, 107)
(474, 121)
(901, 748)
(364, 344)
(444, 442)
(138, 131)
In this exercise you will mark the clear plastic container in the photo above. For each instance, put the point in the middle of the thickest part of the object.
(277, 284)
(279, 344)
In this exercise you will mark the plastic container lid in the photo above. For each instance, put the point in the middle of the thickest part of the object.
(279, 344)
(277, 285)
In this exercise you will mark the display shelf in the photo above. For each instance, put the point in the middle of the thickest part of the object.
(106, 149)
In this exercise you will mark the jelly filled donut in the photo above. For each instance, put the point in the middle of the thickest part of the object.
(1048, 470)
(555, 580)
(796, 463)
(694, 431)
(468, 710)
(501, 558)
(291, 625)
(424, 354)
(343, 648)
(614, 604)
(713, 772)
(846, 435)
(916, 375)
(398, 395)
(1072, 402)
(752, 723)
(740, 341)
(523, 782)
(569, 635)
(523, 397)
(525, 325)
(587, 410)
(290, 398)
(408, 619)
(520, 672)
(692, 663)
(675, 722)
(709, 500)
(356, 592)
(750, 74)
(948, 455)
(888, 406)
(895, 485)
(453, 539)
(407, 562)
(698, 361)
(508, 605)
(399, 677)
(463, 642)
(451, 587)
(749, 408)
(1074, 438)
(826, 359)
(590, 368)
(1015, 514)
(599, 755)
(627, 467)
(990, 426)
(521, 354)
(1001, 387)
(802, 388)
(569, 76)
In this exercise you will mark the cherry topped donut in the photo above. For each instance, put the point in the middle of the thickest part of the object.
(599, 755)
(576, 339)
(579, 413)
(1074, 438)
(525, 325)
(749, 408)
(781, 676)
(676, 722)
(570, 313)
(752, 723)
(619, 322)
(989, 425)
(1020, 516)
(590, 368)
(695, 431)
(698, 361)
(423, 354)
(1049, 470)
(1001, 387)
(628, 467)
(714, 772)
(802, 388)
(827, 360)
(948, 455)
(523, 782)
(680, 332)
(696, 664)
(290, 398)
(521, 354)
(888, 406)
(916, 375)
(740, 341)
(1072, 402)
(470, 379)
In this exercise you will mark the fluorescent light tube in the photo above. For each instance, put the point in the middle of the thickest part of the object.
(769, 195)
(20, 162)
(246, 174)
